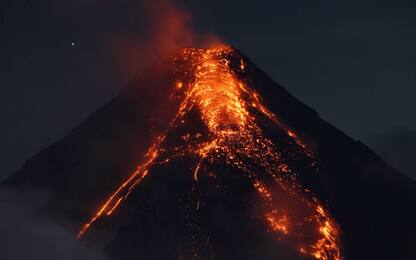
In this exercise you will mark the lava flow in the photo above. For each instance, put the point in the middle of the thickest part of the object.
(230, 110)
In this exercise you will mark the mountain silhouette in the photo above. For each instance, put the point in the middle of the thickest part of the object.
(204, 156)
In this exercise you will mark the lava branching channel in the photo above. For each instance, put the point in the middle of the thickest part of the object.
(230, 110)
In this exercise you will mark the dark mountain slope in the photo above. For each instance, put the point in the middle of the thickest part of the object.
(374, 204)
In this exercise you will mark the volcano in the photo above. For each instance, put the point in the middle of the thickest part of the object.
(204, 156)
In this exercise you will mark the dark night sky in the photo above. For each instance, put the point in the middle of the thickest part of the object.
(353, 61)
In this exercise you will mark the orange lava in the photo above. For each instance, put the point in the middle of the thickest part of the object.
(230, 109)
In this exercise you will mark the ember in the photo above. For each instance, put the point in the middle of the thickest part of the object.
(230, 108)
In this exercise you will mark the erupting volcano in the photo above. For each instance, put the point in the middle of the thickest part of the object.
(205, 157)
(230, 111)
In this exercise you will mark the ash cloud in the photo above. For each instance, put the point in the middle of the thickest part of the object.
(169, 27)
(25, 235)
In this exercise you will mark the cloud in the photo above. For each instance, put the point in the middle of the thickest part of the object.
(168, 27)
(24, 235)
(398, 149)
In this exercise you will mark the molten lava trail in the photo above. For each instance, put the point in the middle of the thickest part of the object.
(230, 109)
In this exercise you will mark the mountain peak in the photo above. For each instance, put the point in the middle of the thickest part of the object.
(232, 133)
(205, 155)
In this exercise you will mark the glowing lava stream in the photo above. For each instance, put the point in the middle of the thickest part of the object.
(228, 108)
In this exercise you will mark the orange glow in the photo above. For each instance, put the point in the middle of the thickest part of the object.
(326, 247)
(196, 171)
(242, 65)
(230, 108)
(277, 224)
(124, 190)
